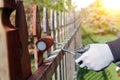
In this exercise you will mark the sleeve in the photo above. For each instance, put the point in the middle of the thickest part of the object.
(115, 49)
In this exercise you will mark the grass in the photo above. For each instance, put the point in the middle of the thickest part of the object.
(108, 73)
(32, 63)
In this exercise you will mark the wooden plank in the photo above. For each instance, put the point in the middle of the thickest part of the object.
(7, 4)
(23, 33)
(10, 53)
(64, 67)
(37, 31)
(62, 70)
(72, 60)
(78, 39)
(4, 67)
(48, 31)
(58, 72)
(46, 70)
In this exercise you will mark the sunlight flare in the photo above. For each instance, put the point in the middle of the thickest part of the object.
(112, 4)
(81, 3)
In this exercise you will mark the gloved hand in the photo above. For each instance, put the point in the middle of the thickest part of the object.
(98, 57)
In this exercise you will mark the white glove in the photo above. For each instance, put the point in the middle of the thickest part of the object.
(98, 57)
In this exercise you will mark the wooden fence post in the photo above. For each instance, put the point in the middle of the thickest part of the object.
(21, 25)
(37, 31)
(10, 67)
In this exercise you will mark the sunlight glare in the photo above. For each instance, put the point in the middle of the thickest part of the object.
(82, 3)
(112, 4)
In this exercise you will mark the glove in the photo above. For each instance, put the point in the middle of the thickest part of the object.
(96, 58)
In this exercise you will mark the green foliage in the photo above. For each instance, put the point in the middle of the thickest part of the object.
(28, 2)
(90, 36)
(58, 5)
(85, 74)
(107, 74)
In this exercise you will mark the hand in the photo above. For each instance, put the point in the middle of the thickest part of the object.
(98, 57)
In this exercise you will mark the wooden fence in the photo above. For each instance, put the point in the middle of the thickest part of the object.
(15, 57)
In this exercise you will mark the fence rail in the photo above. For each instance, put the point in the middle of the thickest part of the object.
(47, 69)
(52, 64)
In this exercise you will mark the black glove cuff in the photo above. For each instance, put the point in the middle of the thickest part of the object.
(115, 49)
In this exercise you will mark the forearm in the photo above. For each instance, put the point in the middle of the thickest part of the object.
(115, 49)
